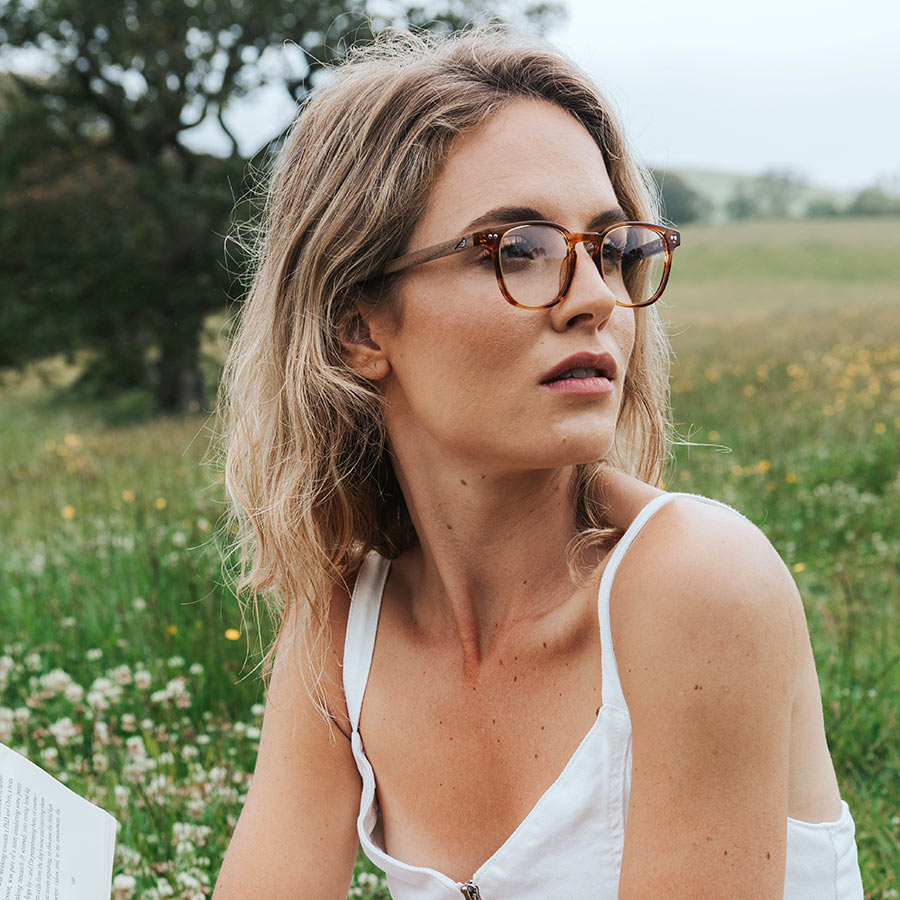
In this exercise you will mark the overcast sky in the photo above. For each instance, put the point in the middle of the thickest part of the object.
(717, 84)
(741, 86)
(727, 85)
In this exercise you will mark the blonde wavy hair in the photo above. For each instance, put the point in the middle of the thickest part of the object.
(309, 480)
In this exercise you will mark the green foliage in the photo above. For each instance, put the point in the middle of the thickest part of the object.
(773, 194)
(874, 201)
(681, 203)
(112, 230)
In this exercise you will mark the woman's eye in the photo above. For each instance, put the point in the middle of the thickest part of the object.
(612, 252)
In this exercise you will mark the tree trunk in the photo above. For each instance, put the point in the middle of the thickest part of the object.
(178, 382)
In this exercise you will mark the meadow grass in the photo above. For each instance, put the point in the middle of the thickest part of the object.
(126, 669)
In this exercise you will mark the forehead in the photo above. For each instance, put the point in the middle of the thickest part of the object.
(531, 153)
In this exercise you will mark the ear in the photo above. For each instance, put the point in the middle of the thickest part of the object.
(361, 353)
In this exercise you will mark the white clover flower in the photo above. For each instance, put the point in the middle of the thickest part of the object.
(123, 886)
(175, 662)
(33, 662)
(100, 762)
(22, 715)
(164, 888)
(122, 674)
(128, 722)
(142, 679)
(203, 739)
(49, 755)
(253, 733)
(64, 730)
(74, 692)
(139, 603)
(7, 663)
(189, 751)
(97, 701)
(217, 775)
(157, 786)
(136, 747)
(147, 724)
(196, 669)
(56, 680)
(128, 856)
(258, 709)
(120, 792)
(239, 729)
(203, 524)
(94, 653)
(101, 731)
(179, 538)
(67, 622)
(187, 880)
(165, 759)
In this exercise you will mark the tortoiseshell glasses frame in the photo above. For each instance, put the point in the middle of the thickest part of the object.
(594, 241)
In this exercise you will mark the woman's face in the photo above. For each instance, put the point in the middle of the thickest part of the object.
(467, 369)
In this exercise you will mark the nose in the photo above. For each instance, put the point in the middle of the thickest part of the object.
(589, 302)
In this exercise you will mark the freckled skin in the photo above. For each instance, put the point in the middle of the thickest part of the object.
(465, 358)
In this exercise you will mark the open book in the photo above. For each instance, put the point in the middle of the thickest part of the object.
(54, 845)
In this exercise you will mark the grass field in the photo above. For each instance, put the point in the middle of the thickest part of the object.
(125, 668)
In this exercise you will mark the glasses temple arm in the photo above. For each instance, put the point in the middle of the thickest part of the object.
(429, 253)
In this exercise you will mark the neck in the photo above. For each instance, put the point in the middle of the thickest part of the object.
(491, 555)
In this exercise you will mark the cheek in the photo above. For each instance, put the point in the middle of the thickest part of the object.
(455, 357)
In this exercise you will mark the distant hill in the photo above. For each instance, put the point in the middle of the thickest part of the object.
(718, 187)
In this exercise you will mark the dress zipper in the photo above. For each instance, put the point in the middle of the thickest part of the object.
(470, 891)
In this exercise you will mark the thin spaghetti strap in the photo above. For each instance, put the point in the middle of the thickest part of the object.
(611, 686)
(362, 624)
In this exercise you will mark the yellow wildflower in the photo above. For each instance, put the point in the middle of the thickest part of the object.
(798, 567)
(160, 502)
(128, 496)
(232, 634)
(67, 512)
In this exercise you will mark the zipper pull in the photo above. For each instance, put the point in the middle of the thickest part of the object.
(470, 891)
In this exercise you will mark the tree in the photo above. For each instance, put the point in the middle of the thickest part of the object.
(774, 193)
(112, 228)
(681, 202)
(874, 201)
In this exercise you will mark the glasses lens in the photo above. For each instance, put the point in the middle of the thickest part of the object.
(633, 262)
(532, 261)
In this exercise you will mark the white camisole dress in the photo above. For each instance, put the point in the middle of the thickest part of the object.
(569, 846)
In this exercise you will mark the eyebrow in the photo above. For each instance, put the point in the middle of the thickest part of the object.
(503, 214)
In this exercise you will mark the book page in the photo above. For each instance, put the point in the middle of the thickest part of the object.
(54, 845)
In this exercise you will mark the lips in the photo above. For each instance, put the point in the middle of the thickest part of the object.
(604, 363)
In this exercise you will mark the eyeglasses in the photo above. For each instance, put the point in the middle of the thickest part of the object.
(534, 261)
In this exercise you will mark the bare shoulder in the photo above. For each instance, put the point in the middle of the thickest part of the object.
(701, 588)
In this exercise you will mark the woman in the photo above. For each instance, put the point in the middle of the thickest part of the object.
(445, 429)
